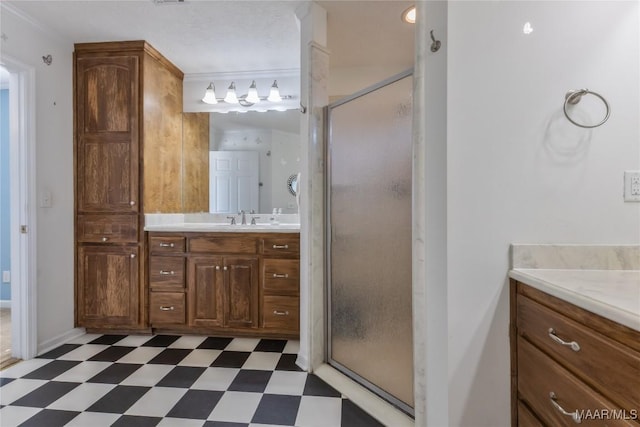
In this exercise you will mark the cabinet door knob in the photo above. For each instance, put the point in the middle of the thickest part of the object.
(224, 268)
(133, 256)
(166, 245)
(167, 308)
(132, 203)
(281, 312)
(280, 276)
(104, 239)
(574, 345)
(575, 416)
(280, 246)
(167, 273)
(217, 267)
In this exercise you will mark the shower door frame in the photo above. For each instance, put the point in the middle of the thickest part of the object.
(327, 125)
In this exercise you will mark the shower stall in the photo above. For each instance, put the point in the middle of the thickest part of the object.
(369, 204)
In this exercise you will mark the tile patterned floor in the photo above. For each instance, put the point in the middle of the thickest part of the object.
(168, 380)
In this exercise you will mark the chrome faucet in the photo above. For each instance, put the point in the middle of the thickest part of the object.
(233, 219)
(244, 217)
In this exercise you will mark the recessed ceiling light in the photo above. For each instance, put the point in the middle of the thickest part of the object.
(409, 15)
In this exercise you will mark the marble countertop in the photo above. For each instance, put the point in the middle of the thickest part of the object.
(220, 223)
(190, 227)
(612, 294)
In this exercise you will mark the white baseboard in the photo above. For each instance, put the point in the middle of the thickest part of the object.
(5, 303)
(302, 363)
(57, 341)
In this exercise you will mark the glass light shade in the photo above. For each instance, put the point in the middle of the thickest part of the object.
(231, 97)
(409, 15)
(252, 95)
(210, 95)
(274, 93)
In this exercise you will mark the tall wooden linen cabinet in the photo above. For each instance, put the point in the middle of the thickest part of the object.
(128, 160)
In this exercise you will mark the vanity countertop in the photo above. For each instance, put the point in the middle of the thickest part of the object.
(220, 223)
(612, 294)
(205, 227)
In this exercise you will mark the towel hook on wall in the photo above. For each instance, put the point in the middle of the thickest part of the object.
(435, 44)
(574, 96)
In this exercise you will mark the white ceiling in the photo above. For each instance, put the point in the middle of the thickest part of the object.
(221, 36)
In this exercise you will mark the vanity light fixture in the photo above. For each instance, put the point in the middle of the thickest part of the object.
(210, 95)
(252, 95)
(274, 93)
(251, 98)
(409, 15)
(231, 97)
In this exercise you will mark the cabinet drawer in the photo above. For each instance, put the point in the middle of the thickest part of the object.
(526, 417)
(544, 327)
(286, 246)
(281, 313)
(107, 228)
(540, 378)
(166, 244)
(166, 271)
(166, 307)
(223, 244)
(281, 275)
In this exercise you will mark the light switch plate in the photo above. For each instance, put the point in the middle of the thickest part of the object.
(632, 186)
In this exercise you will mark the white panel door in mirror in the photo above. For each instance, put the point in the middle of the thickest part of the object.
(233, 182)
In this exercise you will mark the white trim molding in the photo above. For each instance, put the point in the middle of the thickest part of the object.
(22, 103)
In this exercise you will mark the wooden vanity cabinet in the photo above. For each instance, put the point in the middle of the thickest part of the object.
(235, 283)
(564, 358)
(280, 283)
(223, 291)
(167, 291)
(127, 114)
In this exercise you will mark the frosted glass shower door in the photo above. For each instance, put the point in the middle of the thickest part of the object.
(369, 242)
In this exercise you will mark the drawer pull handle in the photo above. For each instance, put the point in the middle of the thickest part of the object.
(574, 345)
(280, 276)
(166, 245)
(167, 273)
(280, 246)
(167, 308)
(575, 416)
(280, 313)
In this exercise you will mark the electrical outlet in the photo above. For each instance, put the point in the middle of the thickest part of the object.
(632, 186)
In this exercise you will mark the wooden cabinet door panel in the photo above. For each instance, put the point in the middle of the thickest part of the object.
(107, 133)
(107, 177)
(107, 286)
(241, 276)
(206, 291)
(107, 89)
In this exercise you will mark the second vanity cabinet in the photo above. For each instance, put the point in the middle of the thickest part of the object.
(570, 366)
(225, 283)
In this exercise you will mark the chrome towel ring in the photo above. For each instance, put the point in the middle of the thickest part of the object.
(574, 96)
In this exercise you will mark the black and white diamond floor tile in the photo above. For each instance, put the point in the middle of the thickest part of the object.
(170, 380)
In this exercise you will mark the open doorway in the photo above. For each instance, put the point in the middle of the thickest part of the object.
(17, 165)
(5, 223)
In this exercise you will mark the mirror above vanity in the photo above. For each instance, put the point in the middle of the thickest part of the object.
(254, 150)
(261, 149)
